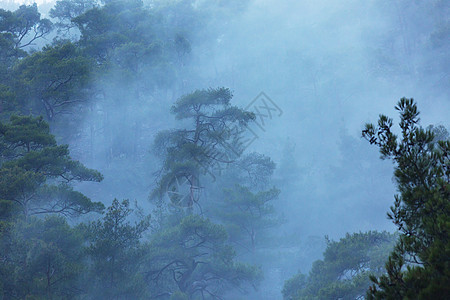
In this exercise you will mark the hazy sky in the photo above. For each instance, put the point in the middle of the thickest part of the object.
(27, 1)
(330, 66)
(323, 62)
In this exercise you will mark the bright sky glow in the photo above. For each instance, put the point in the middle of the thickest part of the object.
(28, 2)
(44, 5)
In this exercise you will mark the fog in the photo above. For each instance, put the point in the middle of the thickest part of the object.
(325, 68)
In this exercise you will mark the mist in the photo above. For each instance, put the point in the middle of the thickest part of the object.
(313, 73)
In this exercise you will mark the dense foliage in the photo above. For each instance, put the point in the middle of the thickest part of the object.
(345, 269)
(88, 87)
(419, 266)
(211, 142)
(43, 254)
(40, 257)
(37, 173)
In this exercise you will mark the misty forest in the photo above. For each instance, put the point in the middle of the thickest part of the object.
(224, 149)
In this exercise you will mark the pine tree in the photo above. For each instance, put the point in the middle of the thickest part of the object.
(419, 266)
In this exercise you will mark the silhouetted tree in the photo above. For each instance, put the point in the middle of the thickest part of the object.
(345, 269)
(211, 141)
(419, 266)
(36, 173)
(194, 259)
(247, 215)
(41, 259)
(116, 254)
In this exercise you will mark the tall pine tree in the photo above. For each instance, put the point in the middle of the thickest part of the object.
(419, 266)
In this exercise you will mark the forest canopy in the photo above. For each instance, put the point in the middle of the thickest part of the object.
(191, 149)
